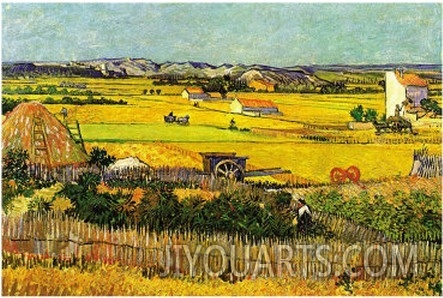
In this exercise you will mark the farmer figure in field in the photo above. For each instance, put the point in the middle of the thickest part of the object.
(64, 113)
(304, 217)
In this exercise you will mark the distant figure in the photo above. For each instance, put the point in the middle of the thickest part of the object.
(232, 124)
(398, 110)
(64, 113)
(304, 217)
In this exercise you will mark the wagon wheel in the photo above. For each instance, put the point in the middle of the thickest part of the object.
(229, 169)
(353, 173)
(396, 127)
(338, 175)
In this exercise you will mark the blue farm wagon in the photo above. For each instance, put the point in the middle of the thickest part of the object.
(229, 165)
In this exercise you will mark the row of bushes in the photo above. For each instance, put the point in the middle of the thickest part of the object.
(361, 115)
(404, 217)
(8, 104)
(90, 100)
(244, 210)
(249, 210)
(49, 90)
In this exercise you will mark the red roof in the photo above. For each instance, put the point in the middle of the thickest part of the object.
(194, 90)
(256, 103)
(410, 79)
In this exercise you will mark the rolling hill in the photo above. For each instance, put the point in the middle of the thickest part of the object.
(141, 67)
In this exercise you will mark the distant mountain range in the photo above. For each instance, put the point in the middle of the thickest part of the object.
(141, 67)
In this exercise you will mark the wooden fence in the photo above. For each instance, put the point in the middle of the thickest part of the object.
(426, 165)
(72, 173)
(31, 240)
(64, 173)
(341, 139)
(347, 230)
(190, 177)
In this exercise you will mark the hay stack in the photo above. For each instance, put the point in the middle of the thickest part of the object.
(19, 131)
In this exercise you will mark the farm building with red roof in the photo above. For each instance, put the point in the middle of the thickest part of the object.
(402, 88)
(254, 107)
(195, 94)
(49, 143)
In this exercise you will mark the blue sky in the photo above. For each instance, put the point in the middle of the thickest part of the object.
(278, 34)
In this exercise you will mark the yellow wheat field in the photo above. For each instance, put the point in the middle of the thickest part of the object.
(315, 161)
(111, 280)
(154, 154)
(310, 161)
(142, 129)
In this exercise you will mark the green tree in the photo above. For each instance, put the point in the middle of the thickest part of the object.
(100, 157)
(28, 90)
(357, 113)
(14, 165)
(39, 90)
(15, 175)
(8, 104)
(217, 85)
(52, 90)
(49, 100)
(370, 115)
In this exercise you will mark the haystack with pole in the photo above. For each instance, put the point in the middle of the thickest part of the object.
(53, 152)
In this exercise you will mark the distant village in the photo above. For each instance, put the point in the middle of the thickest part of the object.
(403, 95)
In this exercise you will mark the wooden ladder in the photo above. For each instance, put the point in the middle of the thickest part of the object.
(39, 142)
(76, 134)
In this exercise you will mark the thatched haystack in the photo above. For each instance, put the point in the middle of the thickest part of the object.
(30, 126)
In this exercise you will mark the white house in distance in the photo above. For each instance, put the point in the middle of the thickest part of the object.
(254, 107)
(195, 94)
(400, 88)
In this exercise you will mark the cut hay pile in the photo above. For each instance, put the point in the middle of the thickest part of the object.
(130, 168)
(128, 163)
(18, 130)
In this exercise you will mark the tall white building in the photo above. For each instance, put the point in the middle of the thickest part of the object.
(403, 89)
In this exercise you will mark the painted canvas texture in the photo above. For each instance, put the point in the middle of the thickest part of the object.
(218, 149)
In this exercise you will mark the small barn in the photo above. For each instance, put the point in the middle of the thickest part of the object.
(195, 94)
(254, 107)
(53, 152)
(403, 88)
(261, 85)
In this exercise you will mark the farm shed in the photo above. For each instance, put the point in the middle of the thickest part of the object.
(195, 94)
(401, 87)
(254, 107)
(53, 153)
(261, 85)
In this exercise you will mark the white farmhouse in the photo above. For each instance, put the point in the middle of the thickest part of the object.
(403, 89)
(254, 107)
(195, 94)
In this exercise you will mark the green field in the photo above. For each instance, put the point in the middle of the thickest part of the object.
(168, 133)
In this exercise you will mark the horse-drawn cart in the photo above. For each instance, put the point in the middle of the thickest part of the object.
(229, 165)
(171, 118)
(396, 124)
